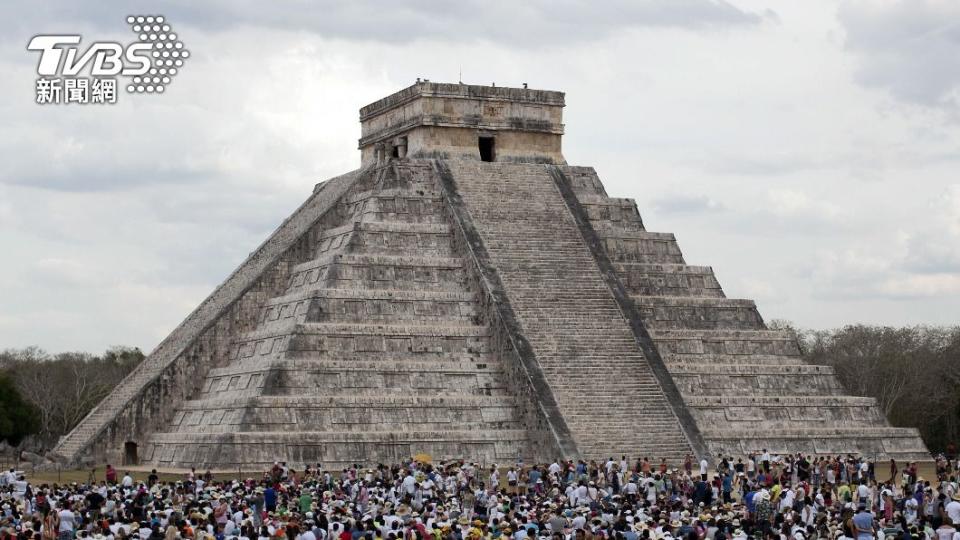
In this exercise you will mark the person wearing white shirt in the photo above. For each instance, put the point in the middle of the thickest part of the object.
(910, 510)
(703, 468)
(20, 488)
(786, 500)
(427, 487)
(651, 486)
(494, 478)
(953, 509)
(863, 494)
(67, 523)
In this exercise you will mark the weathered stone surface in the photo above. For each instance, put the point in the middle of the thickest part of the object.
(32, 457)
(746, 386)
(435, 120)
(603, 384)
(434, 303)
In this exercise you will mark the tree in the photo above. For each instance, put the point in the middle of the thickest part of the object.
(911, 371)
(63, 388)
(18, 419)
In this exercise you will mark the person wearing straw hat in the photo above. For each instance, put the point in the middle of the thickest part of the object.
(953, 508)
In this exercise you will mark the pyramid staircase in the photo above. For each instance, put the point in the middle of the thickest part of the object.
(610, 399)
(374, 352)
(745, 385)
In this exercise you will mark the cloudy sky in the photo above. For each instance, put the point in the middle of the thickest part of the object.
(808, 151)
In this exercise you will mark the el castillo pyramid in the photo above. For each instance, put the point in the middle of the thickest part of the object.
(467, 294)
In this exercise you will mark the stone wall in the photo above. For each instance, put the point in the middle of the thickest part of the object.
(744, 386)
(432, 120)
(146, 397)
(378, 347)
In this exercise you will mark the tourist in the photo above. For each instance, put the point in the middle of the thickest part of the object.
(863, 524)
(562, 500)
(946, 530)
(111, 474)
(65, 519)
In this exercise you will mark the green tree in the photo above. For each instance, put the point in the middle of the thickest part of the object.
(18, 419)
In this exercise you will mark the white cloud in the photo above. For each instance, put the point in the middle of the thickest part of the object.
(926, 285)
(792, 202)
(686, 203)
(908, 48)
(744, 132)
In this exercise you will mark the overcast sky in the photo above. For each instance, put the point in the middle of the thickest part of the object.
(808, 151)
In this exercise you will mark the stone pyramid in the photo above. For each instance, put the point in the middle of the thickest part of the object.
(466, 294)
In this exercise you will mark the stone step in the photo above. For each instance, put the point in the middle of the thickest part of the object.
(354, 384)
(387, 227)
(361, 363)
(611, 212)
(640, 246)
(377, 260)
(748, 366)
(345, 412)
(431, 330)
(869, 441)
(351, 271)
(648, 279)
(750, 411)
(583, 180)
(729, 342)
(727, 361)
(373, 294)
(358, 337)
(397, 204)
(775, 384)
(374, 338)
(388, 238)
(291, 377)
(410, 193)
(331, 448)
(809, 432)
(359, 305)
(562, 302)
(686, 312)
(438, 357)
(779, 401)
(327, 401)
(431, 239)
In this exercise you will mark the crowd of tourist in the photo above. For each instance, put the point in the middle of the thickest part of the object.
(761, 496)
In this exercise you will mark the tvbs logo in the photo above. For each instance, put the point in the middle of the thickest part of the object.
(150, 63)
(108, 58)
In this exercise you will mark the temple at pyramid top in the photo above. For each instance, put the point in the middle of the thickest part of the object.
(462, 121)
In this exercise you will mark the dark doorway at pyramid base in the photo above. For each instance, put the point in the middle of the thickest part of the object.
(130, 454)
